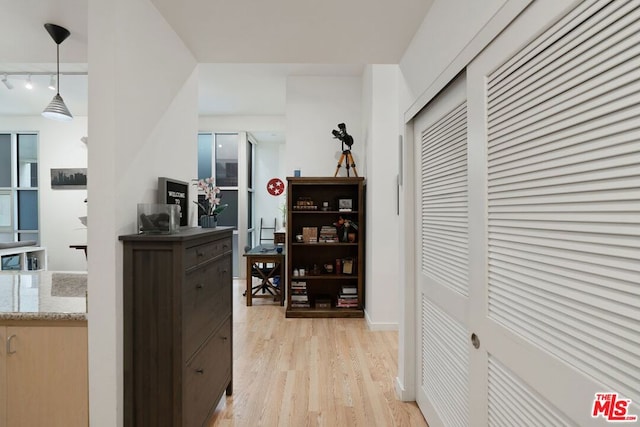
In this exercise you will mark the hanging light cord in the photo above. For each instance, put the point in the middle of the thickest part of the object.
(58, 68)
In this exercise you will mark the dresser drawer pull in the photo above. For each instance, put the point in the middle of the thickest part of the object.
(199, 253)
(200, 371)
(199, 286)
(224, 338)
(9, 351)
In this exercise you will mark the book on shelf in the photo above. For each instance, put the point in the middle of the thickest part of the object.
(348, 297)
(347, 303)
(328, 234)
(298, 286)
(346, 289)
(299, 292)
(300, 305)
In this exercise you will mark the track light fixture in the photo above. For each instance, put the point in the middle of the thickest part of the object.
(6, 82)
(28, 84)
(52, 82)
(57, 109)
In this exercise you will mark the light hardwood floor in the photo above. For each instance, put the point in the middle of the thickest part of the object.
(310, 372)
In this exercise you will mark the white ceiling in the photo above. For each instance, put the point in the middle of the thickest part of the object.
(295, 31)
(246, 48)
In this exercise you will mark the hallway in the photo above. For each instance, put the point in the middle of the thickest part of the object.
(310, 372)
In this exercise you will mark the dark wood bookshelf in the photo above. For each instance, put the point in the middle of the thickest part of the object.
(320, 284)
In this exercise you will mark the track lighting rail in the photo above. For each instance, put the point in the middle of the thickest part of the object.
(42, 73)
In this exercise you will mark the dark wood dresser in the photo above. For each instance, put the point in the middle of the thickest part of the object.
(177, 326)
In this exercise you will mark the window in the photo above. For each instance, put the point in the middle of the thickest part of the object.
(226, 159)
(19, 196)
(221, 150)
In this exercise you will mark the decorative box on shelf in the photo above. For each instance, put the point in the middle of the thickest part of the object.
(279, 237)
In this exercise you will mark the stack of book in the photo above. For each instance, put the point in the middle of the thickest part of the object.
(305, 204)
(328, 234)
(299, 297)
(348, 297)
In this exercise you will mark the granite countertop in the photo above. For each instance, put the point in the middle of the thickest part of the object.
(43, 295)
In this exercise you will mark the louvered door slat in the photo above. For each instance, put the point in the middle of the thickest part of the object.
(562, 317)
(564, 198)
(445, 364)
(576, 309)
(537, 48)
(555, 266)
(578, 139)
(444, 200)
(586, 58)
(514, 403)
(621, 145)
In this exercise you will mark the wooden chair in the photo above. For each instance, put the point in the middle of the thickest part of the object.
(263, 271)
(273, 230)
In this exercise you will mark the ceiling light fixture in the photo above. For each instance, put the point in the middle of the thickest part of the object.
(28, 83)
(6, 82)
(57, 110)
(52, 82)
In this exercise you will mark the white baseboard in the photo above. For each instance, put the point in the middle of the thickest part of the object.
(402, 393)
(380, 326)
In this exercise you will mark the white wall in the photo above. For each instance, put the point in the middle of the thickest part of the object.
(381, 123)
(446, 30)
(267, 166)
(315, 106)
(369, 107)
(451, 35)
(241, 123)
(143, 125)
(59, 147)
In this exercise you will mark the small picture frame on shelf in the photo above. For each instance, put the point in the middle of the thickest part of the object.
(345, 205)
(347, 266)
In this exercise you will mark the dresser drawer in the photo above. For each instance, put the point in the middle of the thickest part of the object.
(206, 376)
(206, 301)
(202, 253)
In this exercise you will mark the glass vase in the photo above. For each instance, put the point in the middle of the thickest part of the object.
(208, 221)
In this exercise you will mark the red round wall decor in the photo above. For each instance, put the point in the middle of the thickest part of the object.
(275, 186)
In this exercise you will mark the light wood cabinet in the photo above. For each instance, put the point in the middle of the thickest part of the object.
(44, 375)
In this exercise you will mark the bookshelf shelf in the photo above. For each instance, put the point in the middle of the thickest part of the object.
(316, 212)
(324, 244)
(326, 277)
(328, 288)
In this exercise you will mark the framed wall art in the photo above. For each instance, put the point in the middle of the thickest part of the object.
(69, 178)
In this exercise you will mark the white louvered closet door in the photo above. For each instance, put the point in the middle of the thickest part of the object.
(562, 294)
(442, 294)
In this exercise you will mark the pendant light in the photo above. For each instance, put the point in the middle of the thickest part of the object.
(57, 110)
